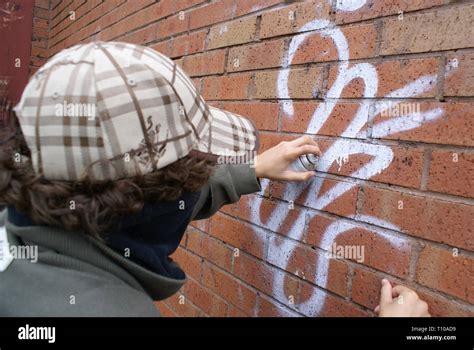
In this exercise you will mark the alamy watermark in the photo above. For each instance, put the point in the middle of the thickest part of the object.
(9, 252)
(400, 109)
(74, 110)
(240, 158)
(37, 333)
(351, 252)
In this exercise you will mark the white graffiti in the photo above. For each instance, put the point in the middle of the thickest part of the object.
(351, 142)
(349, 5)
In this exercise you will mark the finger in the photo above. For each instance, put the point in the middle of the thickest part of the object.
(385, 293)
(303, 140)
(306, 149)
(297, 176)
(402, 290)
(422, 308)
(377, 309)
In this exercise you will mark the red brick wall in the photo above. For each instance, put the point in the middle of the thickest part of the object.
(39, 41)
(397, 180)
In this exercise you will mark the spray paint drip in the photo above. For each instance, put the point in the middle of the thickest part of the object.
(306, 162)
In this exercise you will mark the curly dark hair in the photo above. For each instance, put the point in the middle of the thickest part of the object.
(97, 203)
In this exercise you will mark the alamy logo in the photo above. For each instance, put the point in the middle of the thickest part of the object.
(37, 333)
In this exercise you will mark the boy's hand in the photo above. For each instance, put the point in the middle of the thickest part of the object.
(273, 163)
(400, 301)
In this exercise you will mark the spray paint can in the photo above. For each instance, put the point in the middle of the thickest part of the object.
(306, 162)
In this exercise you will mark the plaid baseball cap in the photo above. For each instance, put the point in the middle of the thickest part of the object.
(114, 110)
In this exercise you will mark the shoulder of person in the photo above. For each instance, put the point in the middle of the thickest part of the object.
(113, 301)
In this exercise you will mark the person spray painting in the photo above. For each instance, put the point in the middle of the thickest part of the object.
(106, 184)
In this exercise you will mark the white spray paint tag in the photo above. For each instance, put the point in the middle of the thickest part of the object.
(5, 257)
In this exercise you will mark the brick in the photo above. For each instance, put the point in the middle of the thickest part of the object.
(235, 312)
(343, 205)
(330, 305)
(459, 79)
(379, 248)
(361, 41)
(269, 308)
(452, 173)
(303, 113)
(165, 310)
(302, 83)
(82, 20)
(210, 249)
(238, 234)
(256, 56)
(141, 36)
(205, 299)
(211, 13)
(261, 276)
(189, 262)
(422, 216)
(451, 125)
(198, 84)
(39, 52)
(163, 47)
(172, 26)
(233, 209)
(229, 87)
(36, 61)
(182, 306)
(44, 4)
(66, 12)
(185, 4)
(426, 32)
(405, 169)
(141, 18)
(304, 262)
(40, 23)
(270, 139)
(230, 289)
(56, 10)
(41, 32)
(366, 288)
(263, 114)
(392, 76)
(280, 21)
(268, 208)
(439, 306)
(375, 9)
(113, 13)
(55, 3)
(202, 225)
(232, 33)
(366, 291)
(40, 42)
(443, 270)
(188, 44)
(248, 6)
(206, 63)
(40, 13)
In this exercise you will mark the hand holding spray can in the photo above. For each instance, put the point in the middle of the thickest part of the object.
(306, 162)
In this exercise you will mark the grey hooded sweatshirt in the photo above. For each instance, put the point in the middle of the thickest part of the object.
(78, 275)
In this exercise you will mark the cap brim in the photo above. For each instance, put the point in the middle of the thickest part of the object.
(231, 139)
